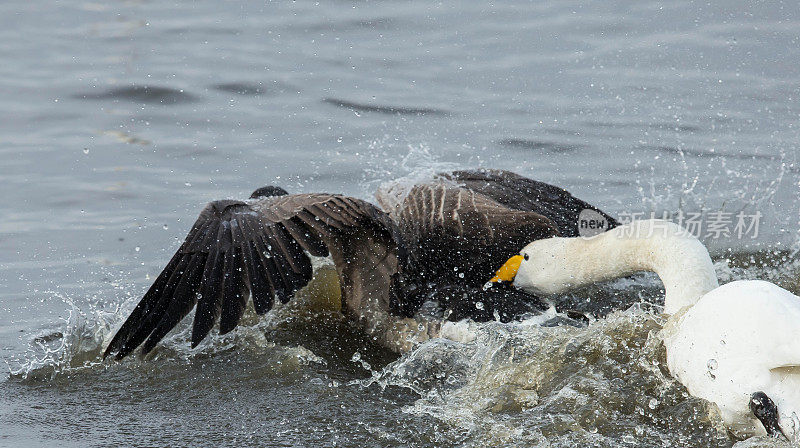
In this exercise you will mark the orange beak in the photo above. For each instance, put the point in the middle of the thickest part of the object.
(508, 270)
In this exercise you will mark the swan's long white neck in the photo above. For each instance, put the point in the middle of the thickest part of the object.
(679, 259)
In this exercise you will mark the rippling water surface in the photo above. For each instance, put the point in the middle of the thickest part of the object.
(121, 119)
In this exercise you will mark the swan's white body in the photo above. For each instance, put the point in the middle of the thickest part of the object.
(723, 343)
(740, 338)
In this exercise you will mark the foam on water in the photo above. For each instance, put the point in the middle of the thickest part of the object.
(521, 384)
(78, 344)
(515, 384)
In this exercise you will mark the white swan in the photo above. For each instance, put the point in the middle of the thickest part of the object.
(736, 345)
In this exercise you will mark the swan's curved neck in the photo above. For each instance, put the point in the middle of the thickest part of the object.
(677, 257)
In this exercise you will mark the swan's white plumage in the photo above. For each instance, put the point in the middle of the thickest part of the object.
(723, 343)
(682, 262)
(740, 338)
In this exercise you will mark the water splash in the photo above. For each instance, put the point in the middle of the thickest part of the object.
(516, 384)
(704, 188)
(419, 163)
(78, 342)
(74, 346)
(525, 385)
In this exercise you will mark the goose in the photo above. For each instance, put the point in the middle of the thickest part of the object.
(734, 345)
(435, 239)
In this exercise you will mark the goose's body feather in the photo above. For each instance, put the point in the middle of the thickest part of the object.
(453, 230)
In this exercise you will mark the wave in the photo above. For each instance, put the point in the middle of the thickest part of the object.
(256, 88)
(539, 145)
(142, 94)
(386, 109)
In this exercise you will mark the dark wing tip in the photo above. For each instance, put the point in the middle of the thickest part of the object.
(236, 251)
(174, 293)
(232, 253)
(107, 351)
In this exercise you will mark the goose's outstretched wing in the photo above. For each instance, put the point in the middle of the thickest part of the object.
(521, 193)
(258, 249)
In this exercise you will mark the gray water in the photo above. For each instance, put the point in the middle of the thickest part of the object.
(121, 119)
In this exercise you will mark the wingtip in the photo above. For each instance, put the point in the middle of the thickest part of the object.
(199, 332)
(225, 329)
(111, 348)
(147, 349)
(123, 351)
(149, 345)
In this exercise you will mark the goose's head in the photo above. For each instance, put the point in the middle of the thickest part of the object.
(544, 267)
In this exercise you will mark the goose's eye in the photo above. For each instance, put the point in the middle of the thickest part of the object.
(525, 256)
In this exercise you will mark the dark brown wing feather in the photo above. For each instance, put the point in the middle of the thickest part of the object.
(461, 236)
(465, 224)
(257, 250)
(521, 193)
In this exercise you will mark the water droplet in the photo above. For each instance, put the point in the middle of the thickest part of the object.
(479, 305)
(137, 248)
(165, 227)
(86, 150)
(460, 275)
(188, 184)
(356, 357)
(712, 365)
